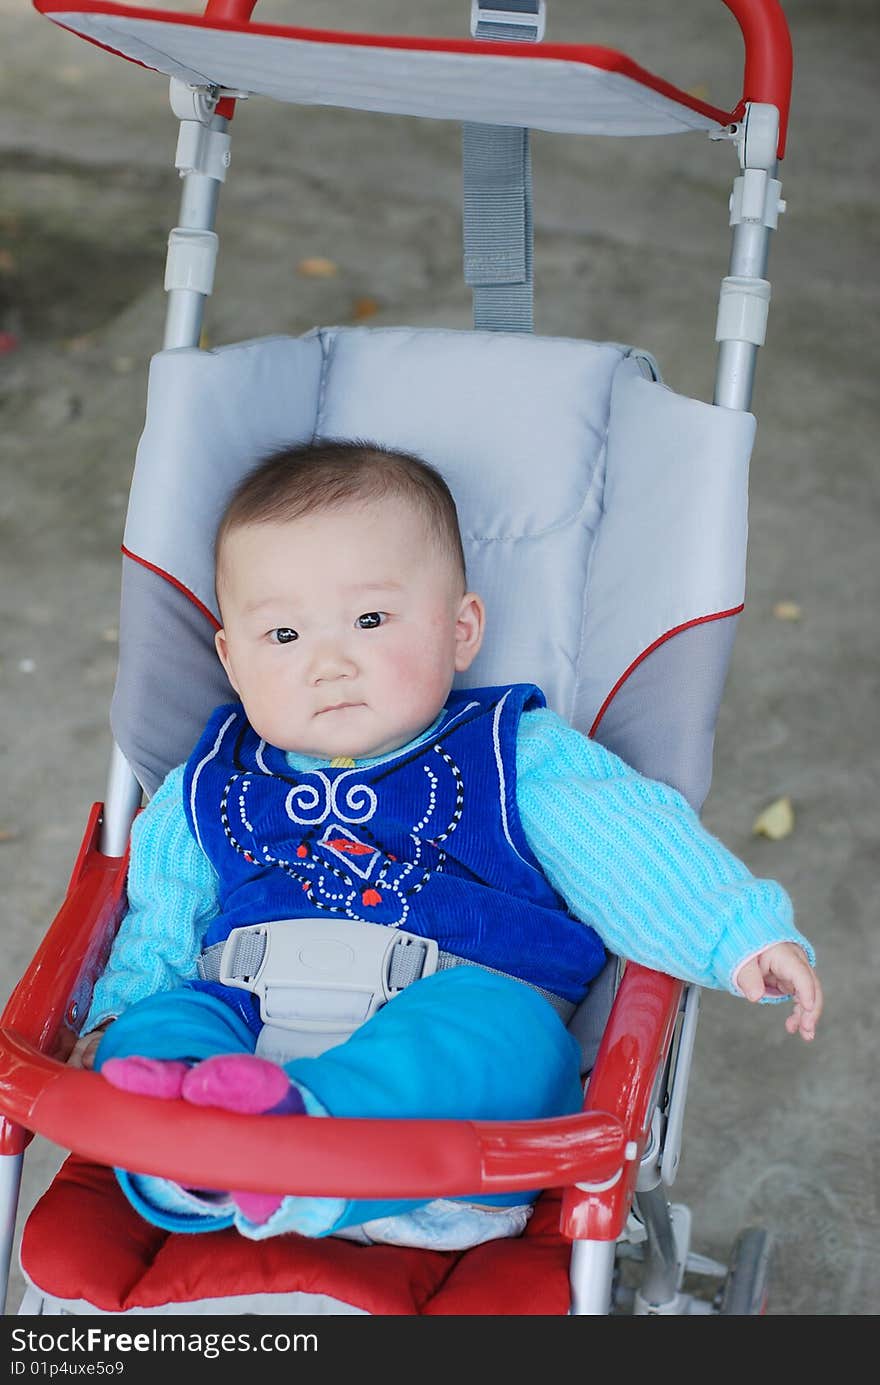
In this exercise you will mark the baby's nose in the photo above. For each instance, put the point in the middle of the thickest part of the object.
(331, 660)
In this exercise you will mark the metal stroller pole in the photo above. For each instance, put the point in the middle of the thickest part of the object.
(202, 158)
(122, 799)
(755, 205)
(659, 1287)
(10, 1184)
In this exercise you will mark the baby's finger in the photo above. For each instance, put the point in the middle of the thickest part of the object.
(750, 981)
(808, 993)
(802, 1021)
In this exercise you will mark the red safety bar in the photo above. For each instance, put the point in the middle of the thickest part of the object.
(47, 1006)
(335, 1157)
(623, 1083)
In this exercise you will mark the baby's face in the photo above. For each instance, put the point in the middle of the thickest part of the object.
(343, 630)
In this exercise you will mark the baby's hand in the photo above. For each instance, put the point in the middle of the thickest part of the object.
(83, 1052)
(783, 970)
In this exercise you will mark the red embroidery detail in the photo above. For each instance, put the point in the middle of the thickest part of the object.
(371, 897)
(302, 850)
(345, 844)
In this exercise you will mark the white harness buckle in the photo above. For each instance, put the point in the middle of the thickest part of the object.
(324, 976)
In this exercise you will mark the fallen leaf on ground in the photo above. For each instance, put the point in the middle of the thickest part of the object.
(787, 610)
(316, 267)
(776, 820)
(364, 307)
(8, 834)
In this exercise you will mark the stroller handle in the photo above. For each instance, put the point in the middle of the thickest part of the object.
(768, 61)
(768, 56)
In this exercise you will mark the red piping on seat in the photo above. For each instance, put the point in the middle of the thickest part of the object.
(688, 624)
(160, 572)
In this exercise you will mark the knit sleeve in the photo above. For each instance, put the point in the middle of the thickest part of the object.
(630, 857)
(172, 895)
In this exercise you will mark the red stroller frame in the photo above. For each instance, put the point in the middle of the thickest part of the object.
(626, 1140)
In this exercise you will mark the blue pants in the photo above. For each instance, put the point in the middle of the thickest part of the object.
(463, 1044)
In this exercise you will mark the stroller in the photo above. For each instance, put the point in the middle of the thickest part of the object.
(620, 596)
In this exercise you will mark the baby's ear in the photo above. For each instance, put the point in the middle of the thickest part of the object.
(469, 627)
(222, 649)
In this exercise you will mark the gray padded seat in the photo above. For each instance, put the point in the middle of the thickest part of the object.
(604, 521)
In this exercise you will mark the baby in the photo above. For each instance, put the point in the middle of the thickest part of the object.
(498, 850)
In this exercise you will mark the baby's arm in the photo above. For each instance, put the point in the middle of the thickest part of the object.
(630, 857)
(172, 896)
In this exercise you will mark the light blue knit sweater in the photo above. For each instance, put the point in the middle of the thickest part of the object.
(627, 854)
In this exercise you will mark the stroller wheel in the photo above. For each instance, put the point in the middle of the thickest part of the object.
(744, 1292)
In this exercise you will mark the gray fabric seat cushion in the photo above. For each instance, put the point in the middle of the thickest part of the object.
(604, 521)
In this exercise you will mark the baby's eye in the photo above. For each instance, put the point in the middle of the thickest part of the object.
(370, 619)
(283, 635)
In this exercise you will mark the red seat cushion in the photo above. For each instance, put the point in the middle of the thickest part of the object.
(83, 1241)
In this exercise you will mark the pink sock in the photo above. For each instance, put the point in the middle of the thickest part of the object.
(146, 1076)
(253, 1086)
(242, 1082)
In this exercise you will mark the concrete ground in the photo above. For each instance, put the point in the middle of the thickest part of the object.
(631, 241)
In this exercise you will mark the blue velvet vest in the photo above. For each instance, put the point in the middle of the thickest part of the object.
(428, 840)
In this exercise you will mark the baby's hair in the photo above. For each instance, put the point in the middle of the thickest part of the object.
(308, 478)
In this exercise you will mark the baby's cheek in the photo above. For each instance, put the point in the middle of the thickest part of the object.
(414, 672)
(273, 710)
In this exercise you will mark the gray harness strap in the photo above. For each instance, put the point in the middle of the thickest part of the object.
(497, 226)
(497, 190)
